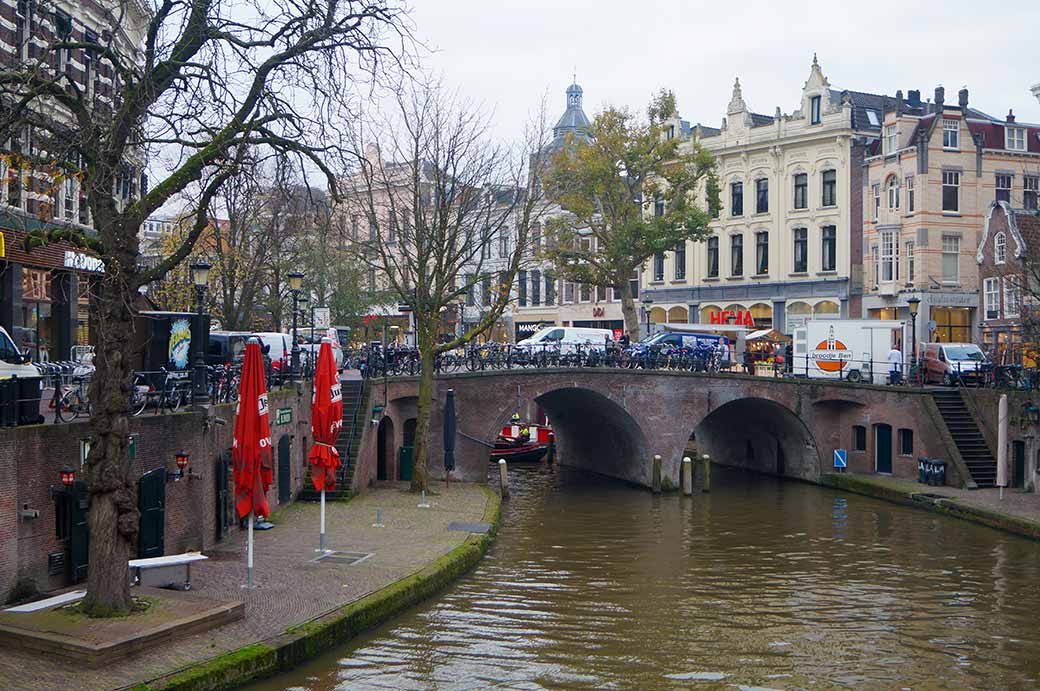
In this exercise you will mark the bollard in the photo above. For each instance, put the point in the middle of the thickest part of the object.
(422, 500)
(656, 474)
(503, 478)
(379, 519)
(550, 455)
(687, 476)
(706, 466)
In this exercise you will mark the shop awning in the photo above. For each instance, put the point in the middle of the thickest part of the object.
(768, 335)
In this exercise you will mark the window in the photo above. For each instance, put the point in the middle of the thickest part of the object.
(762, 196)
(1031, 188)
(713, 257)
(392, 231)
(522, 288)
(1003, 185)
(859, 438)
(951, 134)
(536, 287)
(801, 191)
(736, 257)
(536, 237)
(486, 291)
(828, 248)
(951, 186)
(68, 200)
(601, 293)
(814, 110)
(550, 289)
(891, 139)
(951, 252)
(830, 188)
(658, 208)
(887, 256)
(908, 183)
(736, 191)
(801, 250)
(872, 118)
(999, 247)
(633, 285)
(906, 442)
(680, 262)
(659, 266)
(762, 253)
(1011, 296)
(910, 272)
(568, 292)
(991, 296)
(1015, 138)
(503, 244)
(875, 259)
(893, 193)
(875, 190)
(584, 293)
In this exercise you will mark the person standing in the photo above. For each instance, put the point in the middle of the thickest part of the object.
(895, 365)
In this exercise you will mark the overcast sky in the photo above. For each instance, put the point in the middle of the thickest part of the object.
(507, 54)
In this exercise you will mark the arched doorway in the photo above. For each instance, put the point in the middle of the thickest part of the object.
(384, 446)
(760, 435)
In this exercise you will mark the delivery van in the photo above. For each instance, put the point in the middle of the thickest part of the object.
(948, 363)
(567, 337)
(12, 361)
(851, 349)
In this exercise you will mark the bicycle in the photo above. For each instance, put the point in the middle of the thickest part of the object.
(75, 401)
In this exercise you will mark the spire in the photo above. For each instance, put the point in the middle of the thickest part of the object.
(736, 103)
(574, 120)
(815, 62)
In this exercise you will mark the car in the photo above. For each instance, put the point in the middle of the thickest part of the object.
(226, 347)
(950, 363)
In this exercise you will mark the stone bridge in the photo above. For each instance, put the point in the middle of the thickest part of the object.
(614, 421)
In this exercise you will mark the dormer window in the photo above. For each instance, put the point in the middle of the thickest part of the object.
(814, 110)
(999, 248)
(872, 118)
(951, 134)
(1015, 138)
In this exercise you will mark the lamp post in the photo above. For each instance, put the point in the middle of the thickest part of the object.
(295, 284)
(200, 277)
(913, 304)
(647, 301)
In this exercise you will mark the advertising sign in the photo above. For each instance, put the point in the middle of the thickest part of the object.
(526, 329)
(831, 355)
(180, 343)
(322, 317)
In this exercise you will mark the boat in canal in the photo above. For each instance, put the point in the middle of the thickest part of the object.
(511, 446)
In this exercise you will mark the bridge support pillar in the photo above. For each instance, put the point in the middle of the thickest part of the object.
(656, 474)
(687, 476)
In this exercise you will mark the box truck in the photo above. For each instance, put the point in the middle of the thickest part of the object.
(850, 349)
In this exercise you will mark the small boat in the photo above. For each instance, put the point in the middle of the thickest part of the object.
(510, 451)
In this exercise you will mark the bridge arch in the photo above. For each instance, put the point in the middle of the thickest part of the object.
(761, 435)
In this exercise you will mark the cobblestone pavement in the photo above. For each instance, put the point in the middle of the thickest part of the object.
(1017, 503)
(291, 587)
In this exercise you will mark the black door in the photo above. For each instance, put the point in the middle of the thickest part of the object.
(381, 443)
(151, 502)
(223, 509)
(79, 532)
(284, 469)
(883, 448)
(1018, 464)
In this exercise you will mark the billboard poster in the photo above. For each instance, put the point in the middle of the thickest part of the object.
(180, 343)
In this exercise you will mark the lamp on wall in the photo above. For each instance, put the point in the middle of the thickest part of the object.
(68, 476)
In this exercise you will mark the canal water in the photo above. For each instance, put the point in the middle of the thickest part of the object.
(761, 584)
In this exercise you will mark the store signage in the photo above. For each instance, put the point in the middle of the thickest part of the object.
(283, 416)
(3, 247)
(83, 262)
(831, 355)
(598, 311)
(737, 317)
(526, 329)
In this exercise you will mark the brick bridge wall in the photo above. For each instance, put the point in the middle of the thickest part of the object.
(614, 421)
(31, 458)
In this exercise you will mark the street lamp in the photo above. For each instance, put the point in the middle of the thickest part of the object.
(295, 284)
(647, 301)
(913, 304)
(200, 277)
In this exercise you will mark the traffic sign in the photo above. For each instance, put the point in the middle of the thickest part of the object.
(840, 458)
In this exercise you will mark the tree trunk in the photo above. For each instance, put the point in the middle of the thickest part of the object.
(428, 354)
(628, 309)
(113, 516)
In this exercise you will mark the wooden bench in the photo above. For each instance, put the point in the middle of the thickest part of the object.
(173, 570)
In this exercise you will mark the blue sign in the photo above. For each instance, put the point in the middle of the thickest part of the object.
(839, 458)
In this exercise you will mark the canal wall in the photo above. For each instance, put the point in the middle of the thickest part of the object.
(1023, 431)
(35, 556)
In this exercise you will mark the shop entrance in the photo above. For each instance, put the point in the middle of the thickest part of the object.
(952, 324)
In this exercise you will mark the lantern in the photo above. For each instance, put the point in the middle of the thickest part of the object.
(68, 476)
(182, 460)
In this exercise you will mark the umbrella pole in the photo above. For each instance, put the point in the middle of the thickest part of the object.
(249, 554)
(321, 537)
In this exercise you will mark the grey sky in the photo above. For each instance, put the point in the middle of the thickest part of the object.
(508, 53)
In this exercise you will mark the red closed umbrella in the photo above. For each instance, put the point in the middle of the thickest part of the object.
(326, 420)
(251, 448)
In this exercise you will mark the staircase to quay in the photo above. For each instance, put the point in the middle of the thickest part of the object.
(355, 397)
(967, 436)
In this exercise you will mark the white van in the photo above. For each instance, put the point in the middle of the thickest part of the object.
(279, 345)
(567, 337)
(12, 361)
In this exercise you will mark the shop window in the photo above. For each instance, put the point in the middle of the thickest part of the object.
(658, 315)
(906, 442)
(677, 315)
(827, 309)
(859, 438)
(952, 324)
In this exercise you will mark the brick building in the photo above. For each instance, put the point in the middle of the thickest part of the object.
(927, 185)
(1007, 265)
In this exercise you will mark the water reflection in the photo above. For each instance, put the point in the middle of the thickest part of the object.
(761, 584)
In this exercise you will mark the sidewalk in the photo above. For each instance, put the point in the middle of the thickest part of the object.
(292, 589)
(1018, 512)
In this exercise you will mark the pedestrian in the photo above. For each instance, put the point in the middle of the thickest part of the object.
(789, 358)
(895, 365)
(749, 361)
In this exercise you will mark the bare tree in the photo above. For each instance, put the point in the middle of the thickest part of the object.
(435, 194)
(195, 85)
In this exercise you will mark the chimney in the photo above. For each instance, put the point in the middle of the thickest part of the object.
(1010, 116)
(940, 97)
(962, 98)
(899, 101)
(913, 97)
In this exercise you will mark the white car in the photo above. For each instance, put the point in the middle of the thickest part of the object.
(567, 337)
(12, 361)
